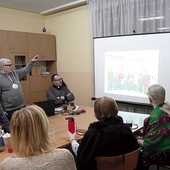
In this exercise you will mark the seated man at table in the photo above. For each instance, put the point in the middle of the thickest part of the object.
(59, 91)
(109, 136)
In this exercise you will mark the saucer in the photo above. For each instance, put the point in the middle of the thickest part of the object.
(58, 109)
(135, 126)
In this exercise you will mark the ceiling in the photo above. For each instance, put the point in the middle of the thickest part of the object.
(39, 6)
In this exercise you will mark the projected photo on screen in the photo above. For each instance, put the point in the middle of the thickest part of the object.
(125, 66)
(130, 72)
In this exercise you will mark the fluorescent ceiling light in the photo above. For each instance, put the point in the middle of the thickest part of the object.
(64, 7)
(151, 18)
(163, 28)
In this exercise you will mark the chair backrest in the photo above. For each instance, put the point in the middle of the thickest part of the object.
(122, 162)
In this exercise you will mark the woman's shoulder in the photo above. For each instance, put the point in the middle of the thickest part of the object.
(62, 153)
(5, 162)
(66, 159)
(61, 150)
(41, 161)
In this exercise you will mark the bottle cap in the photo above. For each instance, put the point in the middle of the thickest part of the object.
(70, 119)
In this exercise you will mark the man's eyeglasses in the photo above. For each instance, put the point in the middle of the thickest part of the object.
(58, 79)
(8, 65)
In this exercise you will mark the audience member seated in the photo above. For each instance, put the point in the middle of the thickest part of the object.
(59, 91)
(155, 142)
(31, 143)
(4, 122)
(109, 136)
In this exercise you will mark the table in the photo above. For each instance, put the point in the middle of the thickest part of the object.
(137, 119)
(58, 125)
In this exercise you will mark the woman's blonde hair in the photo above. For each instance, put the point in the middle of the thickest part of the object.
(105, 107)
(29, 131)
(157, 94)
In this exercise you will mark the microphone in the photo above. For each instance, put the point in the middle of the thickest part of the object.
(93, 98)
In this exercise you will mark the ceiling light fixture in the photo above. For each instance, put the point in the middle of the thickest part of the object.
(163, 28)
(151, 18)
(64, 7)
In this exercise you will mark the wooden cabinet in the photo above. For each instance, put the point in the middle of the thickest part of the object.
(5, 44)
(25, 88)
(39, 85)
(43, 45)
(13, 41)
(20, 60)
(6, 55)
(18, 42)
(20, 47)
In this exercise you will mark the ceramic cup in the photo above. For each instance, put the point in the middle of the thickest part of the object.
(6, 138)
(71, 103)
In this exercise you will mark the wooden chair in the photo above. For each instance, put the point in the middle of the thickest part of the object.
(122, 162)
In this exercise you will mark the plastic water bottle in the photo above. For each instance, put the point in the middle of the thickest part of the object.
(71, 124)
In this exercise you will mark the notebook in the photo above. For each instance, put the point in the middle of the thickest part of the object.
(48, 106)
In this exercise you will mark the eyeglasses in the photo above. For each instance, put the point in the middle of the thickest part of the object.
(8, 65)
(58, 79)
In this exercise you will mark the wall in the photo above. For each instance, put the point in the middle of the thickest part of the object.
(15, 20)
(74, 55)
(72, 32)
(74, 61)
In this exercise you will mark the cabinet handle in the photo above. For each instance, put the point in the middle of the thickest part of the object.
(9, 46)
(43, 55)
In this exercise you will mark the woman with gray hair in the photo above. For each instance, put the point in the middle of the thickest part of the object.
(11, 94)
(155, 142)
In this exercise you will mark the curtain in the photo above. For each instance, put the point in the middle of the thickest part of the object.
(122, 17)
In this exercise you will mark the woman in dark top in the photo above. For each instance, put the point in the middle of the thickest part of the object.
(109, 136)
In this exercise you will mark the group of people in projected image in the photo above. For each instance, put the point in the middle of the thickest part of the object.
(129, 81)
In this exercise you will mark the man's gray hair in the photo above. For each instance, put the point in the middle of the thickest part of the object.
(4, 61)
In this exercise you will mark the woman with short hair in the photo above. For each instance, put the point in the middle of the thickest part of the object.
(109, 136)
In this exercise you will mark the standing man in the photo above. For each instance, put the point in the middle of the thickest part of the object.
(59, 91)
(11, 94)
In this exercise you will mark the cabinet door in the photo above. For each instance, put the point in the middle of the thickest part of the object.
(19, 61)
(18, 41)
(7, 55)
(13, 41)
(49, 47)
(38, 96)
(40, 83)
(5, 41)
(43, 45)
(26, 90)
(34, 45)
